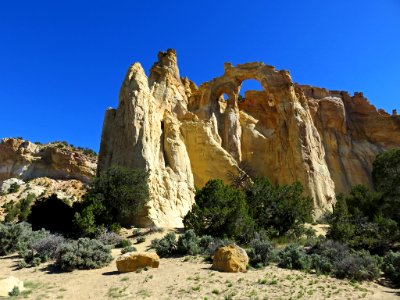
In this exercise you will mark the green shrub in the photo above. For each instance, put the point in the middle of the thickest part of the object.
(325, 253)
(22, 264)
(14, 187)
(220, 210)
(391, 266)
(136, 232)
(39, 247)
(109, 238)
(36, 261)
(261, 251)
(83, 254)
(116, 196)
(123, 244)
(19, 210)
(294, 257)
(12, 235)
(128, 249)
(386, 179)
(357, 266)
(358, 226)
(367, 219)
(26, 241)
(331, 250)
(362, 202)
(341, 228)
(278, 207)
(14, 292)
(11, 211)
(165, 246)
(32, 246)
(189, 243)
(377, 236)
(140, 239)
(89, 152)
(321, 264)
(46, 247)
(204, 242)
(84, 221)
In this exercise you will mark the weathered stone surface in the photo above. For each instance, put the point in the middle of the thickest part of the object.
(25, 160)
(43, 170)
(144, 132)
(230, 258)
(353, 132)
(7, 285)
(132, 261)
(185, 135)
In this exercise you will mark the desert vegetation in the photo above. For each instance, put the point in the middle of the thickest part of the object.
(268, 221)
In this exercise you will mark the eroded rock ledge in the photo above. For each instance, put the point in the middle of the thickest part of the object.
(25, 160)
(185, 135)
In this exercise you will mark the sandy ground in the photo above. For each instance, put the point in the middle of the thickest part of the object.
(186, 278)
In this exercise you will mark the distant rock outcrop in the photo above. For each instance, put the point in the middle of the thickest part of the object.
(38, 170)
(25, 160)
(185, 135)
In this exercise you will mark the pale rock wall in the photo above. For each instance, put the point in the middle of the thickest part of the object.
(142, 133)
(185, 135)
(276, 136)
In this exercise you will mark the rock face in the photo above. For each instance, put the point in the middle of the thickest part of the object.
(43, 170)
(132, 261)
(25, 160)
(353, 132)
(231, 259)
(144, 132)
(185, 135)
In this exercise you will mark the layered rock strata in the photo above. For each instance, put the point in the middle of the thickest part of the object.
(25, 160)
(185, 135)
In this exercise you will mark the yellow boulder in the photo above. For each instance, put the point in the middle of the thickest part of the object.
(230, 258)
(132, 261)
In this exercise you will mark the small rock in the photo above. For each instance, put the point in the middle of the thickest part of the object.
(230, 258)
(7, 285)
(132, 261)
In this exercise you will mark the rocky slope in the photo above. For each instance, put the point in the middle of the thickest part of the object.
(42, 170)
(69, 190)
(25, 160)
(185, 135)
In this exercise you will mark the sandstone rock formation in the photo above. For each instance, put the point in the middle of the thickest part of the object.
(43, 170)
(185, 135)
(132, 261)
(230, 258)
(353, 132)
(25, 160)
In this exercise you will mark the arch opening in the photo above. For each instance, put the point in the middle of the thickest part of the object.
(249, 85)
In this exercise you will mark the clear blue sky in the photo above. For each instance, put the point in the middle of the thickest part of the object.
(62, 62)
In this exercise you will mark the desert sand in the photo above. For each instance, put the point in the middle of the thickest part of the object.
(186, 278)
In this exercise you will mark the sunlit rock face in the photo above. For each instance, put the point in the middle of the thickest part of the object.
(185, 135)
(353, 132)
(25, 160)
